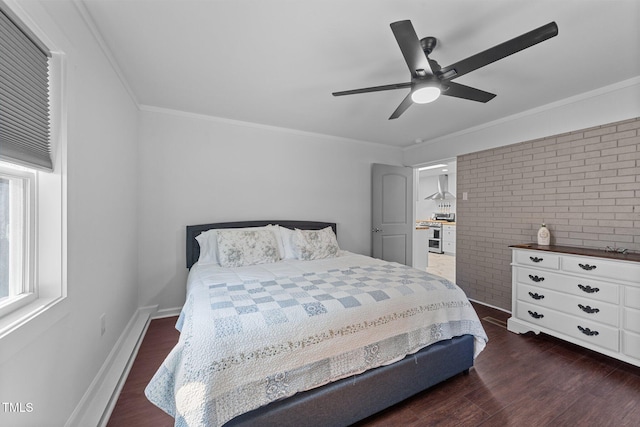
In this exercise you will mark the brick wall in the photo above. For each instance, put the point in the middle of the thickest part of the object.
(584, 185)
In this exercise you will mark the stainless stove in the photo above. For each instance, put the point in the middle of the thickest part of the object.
(435, 237)
(435, 230)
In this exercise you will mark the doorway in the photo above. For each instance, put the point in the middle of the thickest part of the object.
(436, 203)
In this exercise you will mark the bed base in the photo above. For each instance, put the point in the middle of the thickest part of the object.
(352, 399)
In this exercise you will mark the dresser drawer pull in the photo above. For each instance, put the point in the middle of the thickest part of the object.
(588, 289)
(535, 259)
(587, 267)
(588, 309)
(535, 315)
(536, 295)
(588, 331)
(536, 278)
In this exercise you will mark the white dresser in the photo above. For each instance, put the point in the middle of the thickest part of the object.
(586, 296)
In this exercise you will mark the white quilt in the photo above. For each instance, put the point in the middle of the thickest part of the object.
(252, 335)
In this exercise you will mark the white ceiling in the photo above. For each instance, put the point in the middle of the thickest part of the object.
(276, 62)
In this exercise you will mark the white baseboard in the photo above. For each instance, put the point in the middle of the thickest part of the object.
(489, 305)
(95, 407)
(166, 312)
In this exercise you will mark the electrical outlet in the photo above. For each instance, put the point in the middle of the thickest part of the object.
(465, 196)
(103, 324)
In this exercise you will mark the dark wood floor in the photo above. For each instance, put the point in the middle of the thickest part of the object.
(132, 407)
(519, 380)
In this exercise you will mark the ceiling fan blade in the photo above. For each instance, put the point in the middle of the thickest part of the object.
(373, 89)
(411, 50)
(467, 92)
(500, 51)
(406, 103)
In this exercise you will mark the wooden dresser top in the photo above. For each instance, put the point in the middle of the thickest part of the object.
(576, 250)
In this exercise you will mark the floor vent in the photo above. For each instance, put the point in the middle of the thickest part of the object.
(494, 321)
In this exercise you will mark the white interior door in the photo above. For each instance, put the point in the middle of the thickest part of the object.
(392, 213)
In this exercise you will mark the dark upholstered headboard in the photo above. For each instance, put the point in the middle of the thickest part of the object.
(193, 248)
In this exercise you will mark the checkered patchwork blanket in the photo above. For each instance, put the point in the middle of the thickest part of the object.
(246, 343)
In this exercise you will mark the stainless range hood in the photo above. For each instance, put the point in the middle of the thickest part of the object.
(443, 189)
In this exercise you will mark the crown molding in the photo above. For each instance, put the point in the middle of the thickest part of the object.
(233, 122)
(634, 81)
(97, 35)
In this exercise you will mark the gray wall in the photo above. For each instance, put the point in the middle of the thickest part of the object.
(196, 170)
(585, 185)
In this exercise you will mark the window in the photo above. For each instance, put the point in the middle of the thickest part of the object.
(16, 238)
(32, 191)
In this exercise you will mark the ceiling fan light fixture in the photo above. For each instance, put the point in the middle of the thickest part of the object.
(429, 80)
(425, 94)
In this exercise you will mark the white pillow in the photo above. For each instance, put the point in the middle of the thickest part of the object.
(315, 244)
(208, 247)
(286, 236)
(208, 241)
(237, 248)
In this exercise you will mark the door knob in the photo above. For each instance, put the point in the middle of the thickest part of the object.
(376, 230)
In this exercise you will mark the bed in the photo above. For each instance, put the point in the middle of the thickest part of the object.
(281, 327)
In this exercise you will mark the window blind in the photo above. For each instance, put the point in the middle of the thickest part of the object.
(24, 98)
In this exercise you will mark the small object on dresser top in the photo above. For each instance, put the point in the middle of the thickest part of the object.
(544, 236)
(616, 250)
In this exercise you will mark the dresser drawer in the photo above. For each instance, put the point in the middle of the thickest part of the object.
(600, 268)
(631, 344)
(581, 329)
(631, 320)
(592, 289)
(538, 259)
(586, 308)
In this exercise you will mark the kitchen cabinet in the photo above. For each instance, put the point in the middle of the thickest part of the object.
(449, 239)
(586, 296)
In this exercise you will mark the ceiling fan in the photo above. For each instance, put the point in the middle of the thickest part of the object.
(429, 80)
